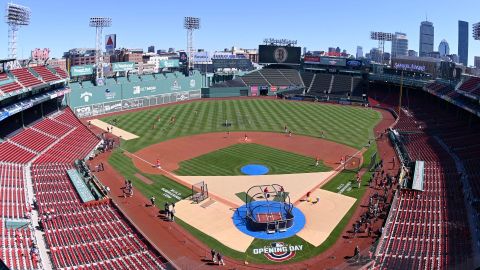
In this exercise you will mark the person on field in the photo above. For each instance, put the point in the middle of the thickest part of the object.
(246, 137)
(317, 161)
(220, 259)
(152, 200)
(213, 252)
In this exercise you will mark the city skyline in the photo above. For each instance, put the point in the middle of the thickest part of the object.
(225, 25)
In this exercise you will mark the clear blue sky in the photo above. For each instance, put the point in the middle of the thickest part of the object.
(317, 25)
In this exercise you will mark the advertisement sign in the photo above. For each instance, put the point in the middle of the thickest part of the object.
(110, 43)
(278, 251)
(227, 55)
(332, 61)
(354, 63)
(201, 57)
(254, 91)
(40, 54)
(237, 63)
(81, 70)
(183, 57)
(3, 115)
(83, 111)
(123, 66)
(411, 67)
(172, 63)
(270, 54)
(273, 88)
(311, 59)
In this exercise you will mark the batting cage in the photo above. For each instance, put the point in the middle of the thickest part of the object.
(352, 163)
(199, 192)
(268, 209)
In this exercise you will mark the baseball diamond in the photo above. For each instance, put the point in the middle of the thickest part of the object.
(274, 157)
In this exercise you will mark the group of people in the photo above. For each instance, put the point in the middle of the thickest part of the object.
(170, 211)
(128, 189)
(217, 257)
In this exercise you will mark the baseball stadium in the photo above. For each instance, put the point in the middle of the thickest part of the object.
(303, 162)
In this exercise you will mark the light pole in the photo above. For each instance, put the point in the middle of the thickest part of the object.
(99, 23)
(190, 24)
(16, 16)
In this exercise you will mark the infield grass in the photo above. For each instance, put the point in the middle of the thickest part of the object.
(229, 160)
(343, 124)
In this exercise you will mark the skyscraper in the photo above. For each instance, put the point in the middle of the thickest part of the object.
(463, 42)
(443, 48)
(426, 38)
(476, 61)
(399, 44)
(359, 52)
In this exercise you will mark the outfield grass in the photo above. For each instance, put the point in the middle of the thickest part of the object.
(229, 161)
(344, 124)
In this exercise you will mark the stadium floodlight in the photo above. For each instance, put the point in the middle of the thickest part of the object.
(190, 24)
(381, 37)
(476, 31)
(15, 16)
(99, 23)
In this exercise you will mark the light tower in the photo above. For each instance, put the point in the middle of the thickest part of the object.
(16, 16)
(381, 37)
(476, 31)
(191, 23)
(99, 23)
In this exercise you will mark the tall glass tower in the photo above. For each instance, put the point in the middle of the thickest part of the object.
(463, 42)
(426, 38)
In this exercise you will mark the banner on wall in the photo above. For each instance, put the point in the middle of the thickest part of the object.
(123, 66)
(81, 70)
(254, 91)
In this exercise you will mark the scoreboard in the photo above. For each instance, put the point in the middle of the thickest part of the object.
(271, 54)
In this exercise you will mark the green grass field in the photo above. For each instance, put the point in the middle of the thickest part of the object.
(228, 161)
(344, 124)
(125, 166)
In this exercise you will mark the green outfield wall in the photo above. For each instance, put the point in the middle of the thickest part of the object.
(88, 100)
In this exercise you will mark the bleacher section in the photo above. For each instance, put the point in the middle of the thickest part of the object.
(46, 74)
(430, 229)
(321, 84)
(80, 236)
(357, 89)
(307, 78)
(61, 72)
(273, 77)
(342, 84)
(10, 87)
(26, 78)
(33, 140)
(292, 75)
(16, 232)
(254, 78)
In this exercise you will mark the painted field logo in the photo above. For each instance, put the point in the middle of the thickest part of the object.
(278, 251)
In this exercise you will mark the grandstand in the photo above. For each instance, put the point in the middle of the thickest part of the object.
(431, 229)
(273, 77)
(36, 150)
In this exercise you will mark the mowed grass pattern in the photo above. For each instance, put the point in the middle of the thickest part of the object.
(228, 161)
(344, 124)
